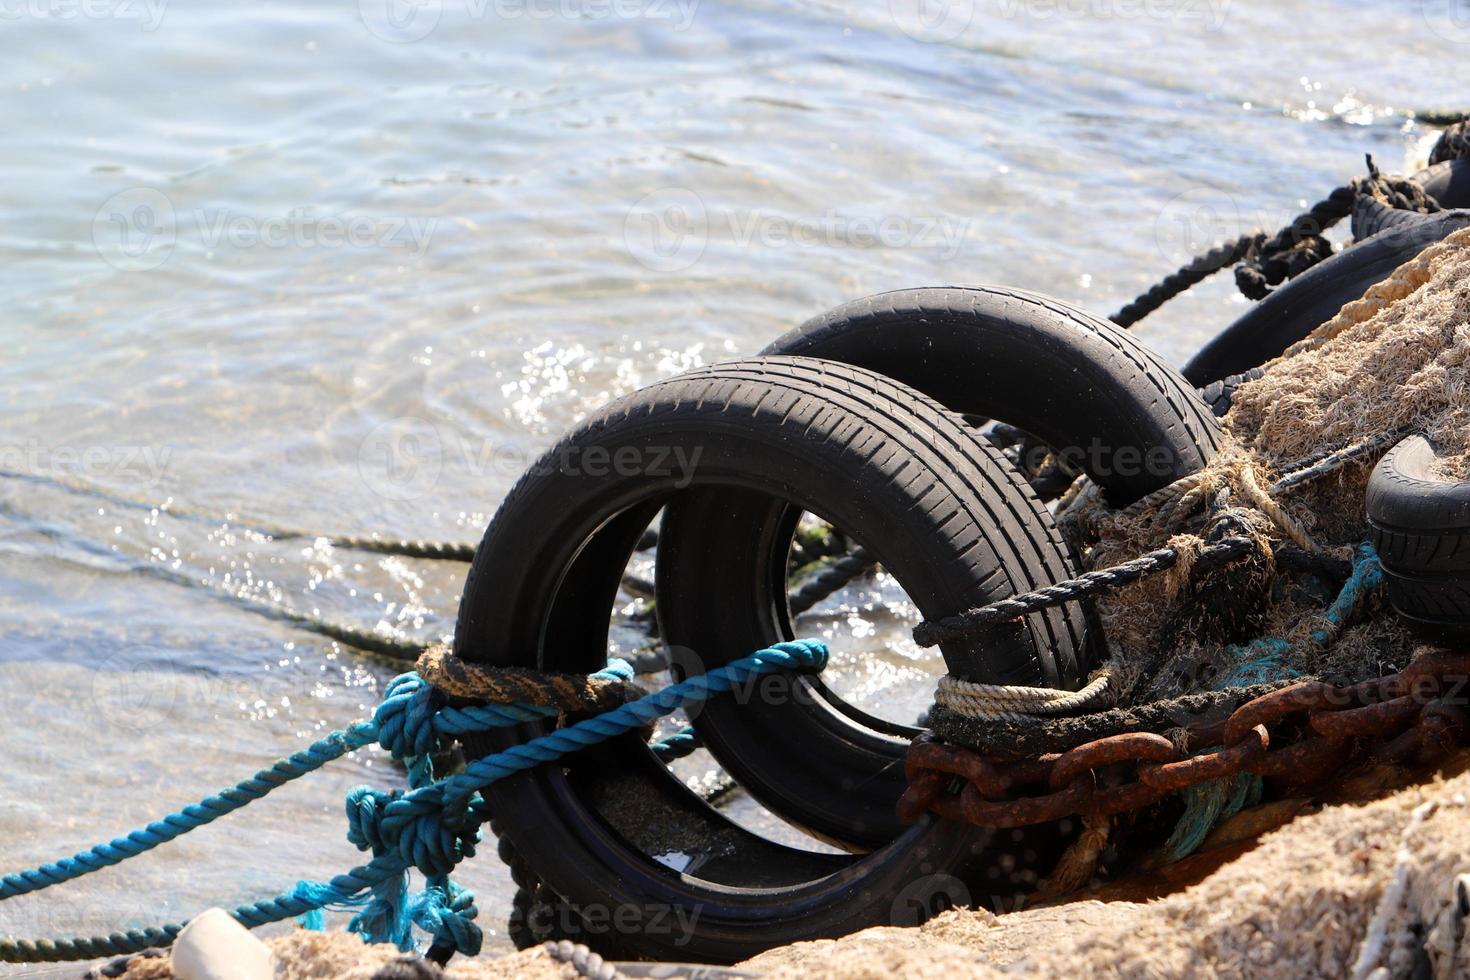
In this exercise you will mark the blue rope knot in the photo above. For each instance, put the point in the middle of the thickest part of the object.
(365, 807)
(405, 719)
(417, 825)
(808, 655)
(422, 830)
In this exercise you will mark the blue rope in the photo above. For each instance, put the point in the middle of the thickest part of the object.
(191, 817)
(1206, 805)
(1365, 580)
(676, 746)
(431, 827)
(1262, 660)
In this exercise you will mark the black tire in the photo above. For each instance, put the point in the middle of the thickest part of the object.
(1437, 604)
(1448, 182)
(1078, 383)
(714, 536)
(939, 512)
(1311, 299)
(1371, 217)
(1420, 525)
(1220, 395)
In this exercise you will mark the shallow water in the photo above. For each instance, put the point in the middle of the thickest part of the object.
(348, 267)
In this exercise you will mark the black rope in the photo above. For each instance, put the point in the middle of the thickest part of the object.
(1267, 262)
(1325, 567)
(1301, 245)
(829, 580)
(1296, 247)
(1191, 274)
(1454, 142)
(1325, 461)
(1017, 738)
(974, 621)
(431, 550)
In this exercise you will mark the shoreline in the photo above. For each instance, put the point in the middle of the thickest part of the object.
(1350, 889)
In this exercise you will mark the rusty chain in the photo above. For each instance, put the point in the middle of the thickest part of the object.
(1297, 735)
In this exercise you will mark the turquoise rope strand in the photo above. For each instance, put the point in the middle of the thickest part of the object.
(191, 817)
(428, 827)
(1256, 662)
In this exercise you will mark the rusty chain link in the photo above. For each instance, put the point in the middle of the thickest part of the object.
(1298, 735)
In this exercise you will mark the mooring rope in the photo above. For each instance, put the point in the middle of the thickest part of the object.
(404, 547)
(1020, 703)
(1265, 260)
(835, 576)
(1258, 670)
(1266, 504)
(1323, 462)
(966, 624)
(813, 590)
(431, 827)
(1176, 501)
(1189, 275)
(509, 685)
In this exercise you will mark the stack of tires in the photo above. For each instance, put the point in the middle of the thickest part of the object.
(1420, 523)
(862, 417)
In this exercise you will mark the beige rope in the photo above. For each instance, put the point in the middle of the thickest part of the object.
(1188, 547)
(1078, 863)
(1167, 495)
(1177, 511)
(1013, 703)
(1262, 501)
